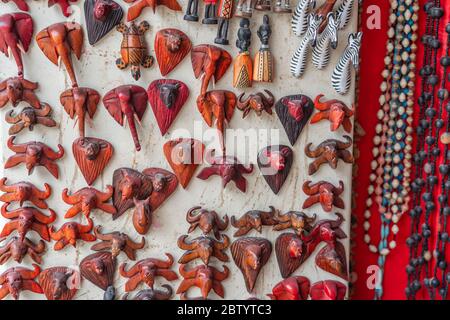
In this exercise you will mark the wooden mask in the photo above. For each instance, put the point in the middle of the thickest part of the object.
(171, 47)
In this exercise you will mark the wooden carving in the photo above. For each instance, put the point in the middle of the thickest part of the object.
(117, 242)
(250, 255)
(325, 193)
(133, 49)
(206, 221)
(167, 97)
(296, 220)
(59, 283)
(152, 294)
(224, 14)
(203, 247)
(92, 155)
(142, 215)
(64, 5)
(329, 151)
(263, 62)
(101, 16)
(87, 199)
(70, 232)
(211, 61)
(25, 219)
(228, 168)
(78, 102)
(17, 248)
(164, 184)
(184, 156)
(293, 288)
(58, 41)
(243, 64)
(28, 118)
(34, 154)
(328, 290)
(171, 47)
(25, 191)
(294, 112)
(138, 5)
(17, 89)
(257, 102)
(253, 219)
(21, 4)
(146, 271)
(203, 277)
(128, 101)
(99, 269)
(16, 279)
(16, 31)
(275, 163)
(335, 111)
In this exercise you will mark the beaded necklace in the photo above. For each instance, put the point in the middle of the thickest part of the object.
(389, 187)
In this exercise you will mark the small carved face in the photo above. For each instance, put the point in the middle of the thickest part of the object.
(298, 221)
(15, 283)
(255, 221)
(336, 116)
(331, 154)
(32, 157)
(276, 159)
(59, 284)
(23, 192)
(128, 186)
(206, 279)
(168, 93)
(253, 256)
(228, 172)
(295, 248)
(205, 251)
(326, 198)
(28, 116)
(102, 8)
(92, 149)
(117, 245)
(98, 266)
(206, 223)
(71, 232)
(142, 212)
(173, 42)
(159, 182)
(295, 108)
(25, 222)
(88, 202)
(18, 250)
(257, 104)
(148, 274)
(14, 90)
(327, 234)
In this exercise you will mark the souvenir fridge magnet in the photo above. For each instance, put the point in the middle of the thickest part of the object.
(128, 101)
(203, 248)
(250, 255)
(263, 65)
(299, 23)
(328, 39)
(294, 112)
(58, 41)
(17, 279)
(70, 232)
(224, 13)
(243, 64)
(17, 248)
(167, 97)
(16, 31)
(17, 89)
(171, 47)
(293, 288)
(184, 156)
(138, 5)
(328, 290)
(335, 111)
(295, 220)
(133, 49)
(86, 200)
(92, 155)
(207, 221)
(203, 277)
(258, 102)
(275, 163)
(99, 269)
(25, 191)
(101, 16)
(152, 294)
(59, 283)
(254, 219)
(34, 154)
(28, 118)
(324, 193)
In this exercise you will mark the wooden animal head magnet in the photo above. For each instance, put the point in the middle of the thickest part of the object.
(29, 117)
(167, 97)
(203, 248)
(164, 184)
(138, 5)
(59, 283)
(204, 277)
(99, 269)
(328, 290)
(87, 199)
(206, 221)
(250, 255)
(17, 248)
(253, 219)
(258, 102)
(17, 89)
(116, 242)
(291, 252)
(25, 191)
(294, 112)
(184, 155)
(101, 16)
(275, 163)
(92, 155)
(335, 111)
(293, 288)
(324, 193)
(16, 279)
(70, 233)
(171, 47)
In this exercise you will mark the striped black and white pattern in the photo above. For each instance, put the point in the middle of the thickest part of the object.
(321, 52)
(344, 13)
(341, 77)
(299, 23)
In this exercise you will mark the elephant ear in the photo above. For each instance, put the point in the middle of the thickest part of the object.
(3, 46)
(45, 43)
(92, 102)
(230, 105)
(139, 99)
(67, 100)
(222, 65)
(74, 37)
(112, 104)
(24, 28)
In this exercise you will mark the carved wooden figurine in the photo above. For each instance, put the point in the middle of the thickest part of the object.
(142, 215)
(243, 64)
(25, 219)
(117, 242)
(128, 101)
(17, 89)
(275, 163)
(16, 31)
(16, 279)
(59, 283)
(253, 219)
(99, 269)
(257, 102)
(86, 200)
(79, 102)
(263, 65)
(228, 168)
(28, 118)
(324, 193)
(329, 151)
(328, 290)
(146, 271)
(25, 191)
(224, 13)
(184, 155)
(203, 277)
(263, 5)
(152, 294)
(206, 221)
(167, 97)
(327, 40)
(293, 288)
(244, 8)
(171, 47)
(138, 5)
(250, 255)
(203, 247)
(34, 154)
(334, 111)
(58, 41)
(211, 62)
(282, 6)
(70, 232)
(133, 49)
(92, 156)
(296, 220)
(17, 248)
(101, 17)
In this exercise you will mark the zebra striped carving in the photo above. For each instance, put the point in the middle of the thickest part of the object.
(328, 38)
(342, 77)
(299, 22)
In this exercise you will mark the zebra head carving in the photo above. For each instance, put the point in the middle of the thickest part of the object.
(314, 23)
(332, 30)
(354, 44)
